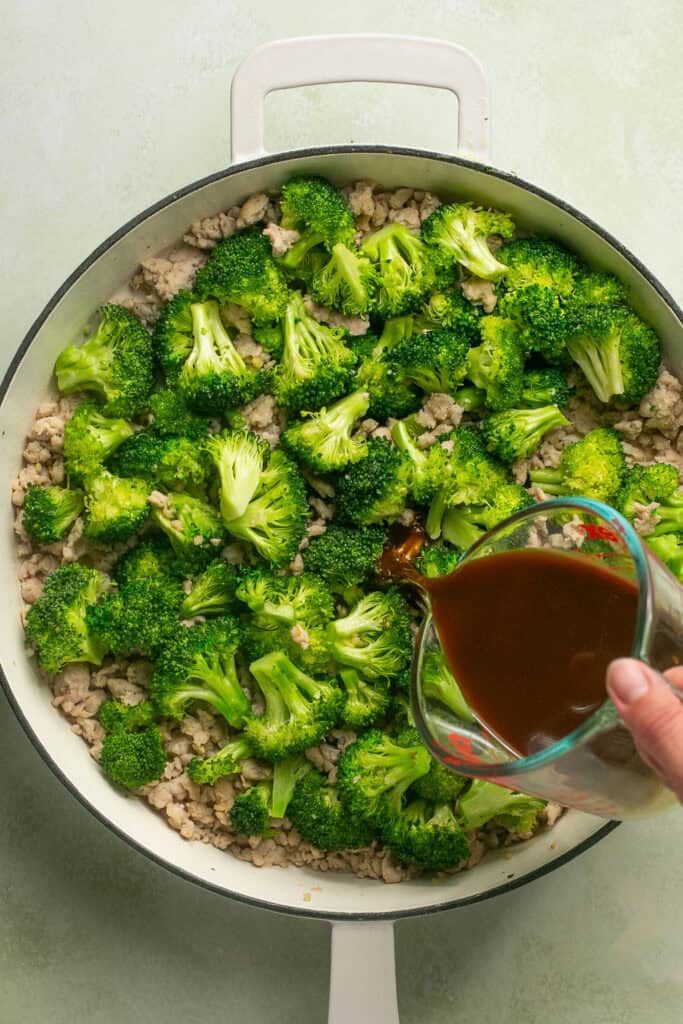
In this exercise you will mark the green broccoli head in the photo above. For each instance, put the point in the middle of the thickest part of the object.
(539, 261)
(114, 364)
(435, 360)
(593, 467)
(540, 317)
(465, 524)
(197, 664)
(645, 484)
(172, 417)
(440, 785)
(516, 433)
(428, 834)
(274, 521)
(50, 511)
(322, 819)
(545, 387)
(593, 288)
(239, 457)
(241, 269)
(438, 684)
(364, 702)
(314, 208)
(56, 624)
(375, 488)
(306, 646)
(151, 559)
(90, 438)
(138, 618)
(347, 281)
(316, 366)
(133, 759)
(474, 478)
(193, 527)
(115, 508)
(173, 335)
(451, 310)
(497, 365)
(459, 232)
(213, 592)
(428, 467)
(403, 267)
(114, 714)
(618, 353)
(374, 773)
(485, 801)
(389, 392)
(345, 556)
(299, 709)
(173, 463)
(250, 812)
(324, 439)
(285, 600)
(226, 761)
(437, 560)
(375, 637)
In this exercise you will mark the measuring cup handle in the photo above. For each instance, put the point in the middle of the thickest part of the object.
(363, 973)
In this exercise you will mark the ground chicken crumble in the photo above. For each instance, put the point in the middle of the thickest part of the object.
(651, 433)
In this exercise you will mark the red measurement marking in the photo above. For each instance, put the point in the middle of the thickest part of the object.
(598, 532)
(462, 745)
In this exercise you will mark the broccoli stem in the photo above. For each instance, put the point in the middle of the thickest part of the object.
(458, 530)
(600, 363)
(213, 348)
(436, 513)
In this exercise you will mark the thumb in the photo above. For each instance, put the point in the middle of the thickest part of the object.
(653, 714)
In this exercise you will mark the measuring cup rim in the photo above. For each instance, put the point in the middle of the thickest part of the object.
(638, 650)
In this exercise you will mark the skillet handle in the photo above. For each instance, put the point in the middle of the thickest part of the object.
(320, 60)
(363, 974)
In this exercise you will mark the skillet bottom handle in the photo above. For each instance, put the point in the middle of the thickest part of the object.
(363, 973)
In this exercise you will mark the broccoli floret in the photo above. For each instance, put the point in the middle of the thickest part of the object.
(458, 232)
(176, 463)
(133, 759)
(645, 484)
(227, 761)
(140, 617)
(250, 812)
(545, 387)
(213, 592)
(150, 560)
(345, 556)
(275, 518)
(440, 785)
(404, 269)
(470, 398)
(375, 637)
(271, 339)
(364, 701)
(194, 528)
(56, 624)
(485, 801)
(375, 488)
(172, 418)
(90, 438)
(539, 261)
(198, 664)
(316, 366)
(239, 456)
(427, 834)
(285, 600)
(438, 684)
(516, 433)
(241, 269)
(324, 440)
(428, 467)
(670, 515)
(669, 548)
(173, 334)
(114, 364)
(314, 208)
(618, 353)
(306, 646)
(435, 360)
(374, 774)
(322, 819)
(389, 392)
(542, 323)
(593, 467)
(437, 560)
(214, 377)
(598, 289)
(497, 365)
(299, 709)
(114, 714)
(50, 511)
(475, 477)
(115, 508)
(347, 281)
(451, 309)
(465, 524)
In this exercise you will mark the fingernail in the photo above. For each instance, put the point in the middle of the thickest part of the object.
(627, 680)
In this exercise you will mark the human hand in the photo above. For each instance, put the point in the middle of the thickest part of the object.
(653, 714)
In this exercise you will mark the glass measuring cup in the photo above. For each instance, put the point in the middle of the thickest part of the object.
(596, 767)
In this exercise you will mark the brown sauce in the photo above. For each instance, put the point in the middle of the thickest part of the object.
(529, 635)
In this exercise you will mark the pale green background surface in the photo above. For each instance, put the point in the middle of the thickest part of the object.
(105, 108)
